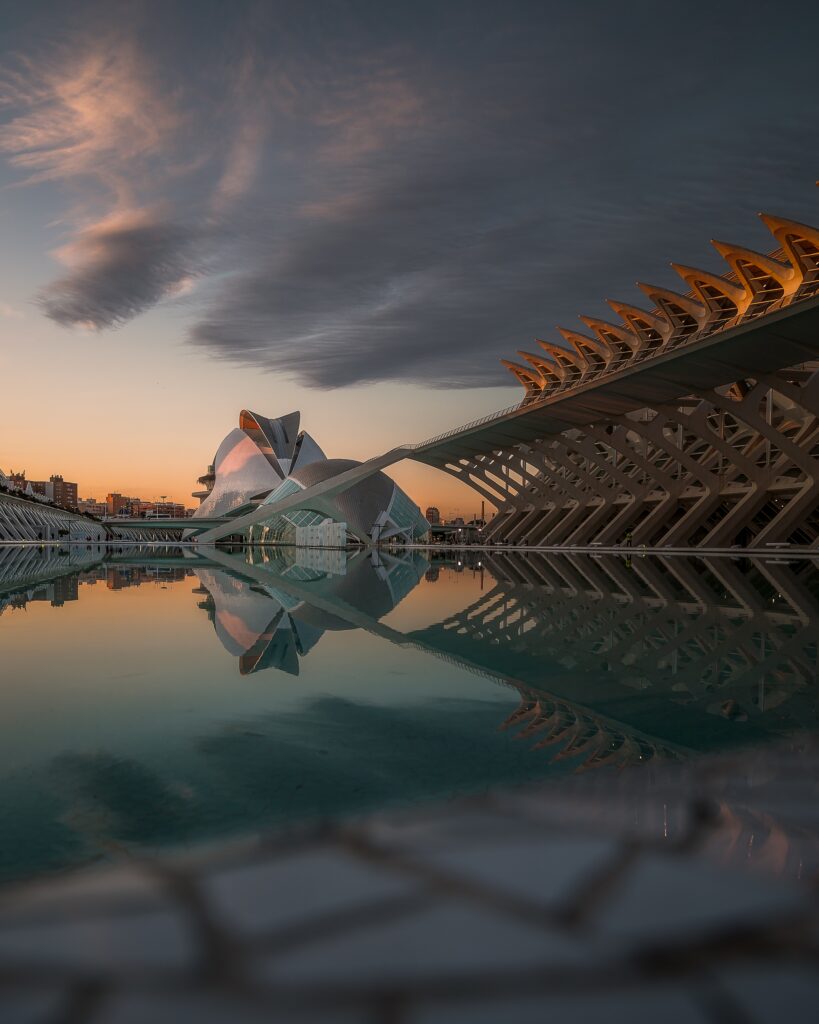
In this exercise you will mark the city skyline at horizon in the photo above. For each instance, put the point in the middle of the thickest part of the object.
(356, 214)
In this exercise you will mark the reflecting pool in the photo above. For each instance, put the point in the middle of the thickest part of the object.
(155, 697)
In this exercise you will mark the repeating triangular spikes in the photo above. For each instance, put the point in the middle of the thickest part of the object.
(664, 295)
(563, 355)
(526, 375)
(800, 242)
(545, 366)
(780, 226)
(756, 284)
(610, 334)
(698, 280)
(738, 259)
(584, 344)
(642, 322)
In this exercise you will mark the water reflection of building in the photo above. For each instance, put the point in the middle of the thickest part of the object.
(264, 625)
(617, 663)
(29, 573)
(55, 575)
(118, 577)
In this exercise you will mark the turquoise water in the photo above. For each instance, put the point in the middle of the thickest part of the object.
(153, 698)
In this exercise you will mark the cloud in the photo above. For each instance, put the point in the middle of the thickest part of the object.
(88, 109)
(91, 114)
(118, 268)
(408, 195)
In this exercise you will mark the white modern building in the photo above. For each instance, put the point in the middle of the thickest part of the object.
(264, 460)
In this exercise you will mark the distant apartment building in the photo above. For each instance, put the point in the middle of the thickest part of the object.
(157, 509)
(432, 515)
(60, 491)
(66, 588)
(165, 509)
(120, 505)
(57, 592)
(116, 504)
(92, 507)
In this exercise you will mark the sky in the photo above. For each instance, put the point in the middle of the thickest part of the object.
(356, 209)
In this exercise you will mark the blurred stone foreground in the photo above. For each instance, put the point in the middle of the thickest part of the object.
(684, 893)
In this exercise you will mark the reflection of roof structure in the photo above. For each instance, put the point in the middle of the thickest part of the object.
(264, 626)
(24, 566)
(732, 647)
(264, 460)
(616, 664)
(576, 734)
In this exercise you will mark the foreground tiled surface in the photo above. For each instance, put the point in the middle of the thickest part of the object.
(681, 894)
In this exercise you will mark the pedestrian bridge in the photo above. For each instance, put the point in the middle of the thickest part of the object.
(198, 525)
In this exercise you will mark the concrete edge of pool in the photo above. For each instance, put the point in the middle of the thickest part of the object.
(682, 891)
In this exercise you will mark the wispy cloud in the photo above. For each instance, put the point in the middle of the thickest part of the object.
(400, 192)
(90, 109)
(118, 268)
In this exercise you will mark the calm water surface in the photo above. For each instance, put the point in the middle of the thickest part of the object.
(155, 697)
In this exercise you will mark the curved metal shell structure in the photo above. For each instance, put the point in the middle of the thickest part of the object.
(253, 460)
(264, 460)
(374, 509)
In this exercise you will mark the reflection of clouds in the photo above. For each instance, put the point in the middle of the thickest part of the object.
(329, 756)
(109, 799)
(336, 756)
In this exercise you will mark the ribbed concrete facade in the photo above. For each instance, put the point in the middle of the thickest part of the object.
(24, 520)
(735, 465)
(612, 443)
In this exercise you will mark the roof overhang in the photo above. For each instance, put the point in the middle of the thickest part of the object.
(783, 338)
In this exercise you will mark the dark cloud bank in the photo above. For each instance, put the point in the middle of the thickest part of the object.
(120, 273)
(438, 186)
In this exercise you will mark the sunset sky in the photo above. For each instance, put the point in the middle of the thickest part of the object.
(356, 209)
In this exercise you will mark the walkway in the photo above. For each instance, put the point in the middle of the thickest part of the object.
(683, 893)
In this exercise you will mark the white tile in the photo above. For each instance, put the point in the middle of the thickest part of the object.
(299, 888)
(672, 897)
(772, 994)
(96, 945)
(540, 872)
(213, 1008)
(30, 1006)
(452, 939)
(671, 1006)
